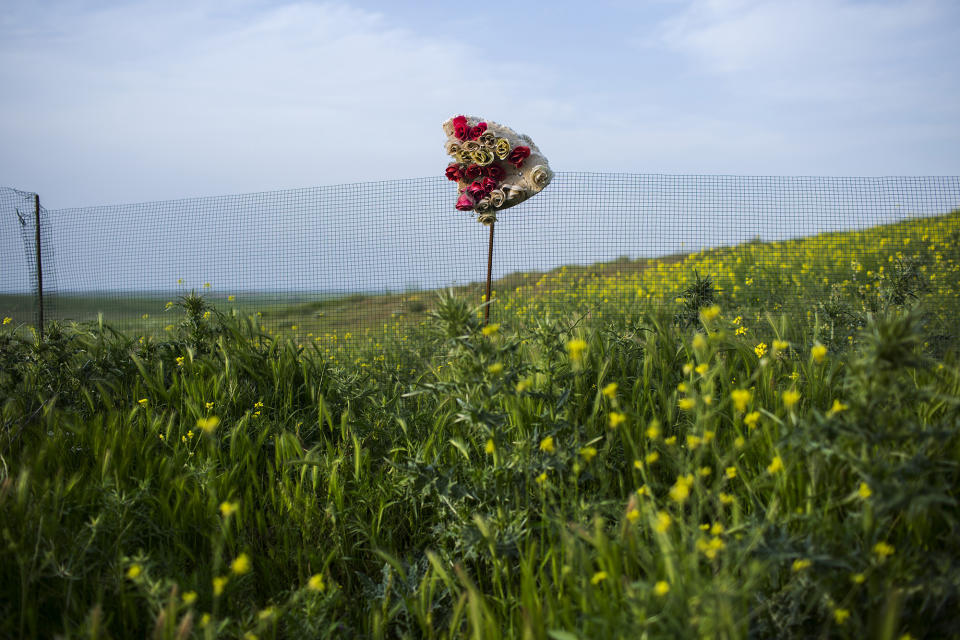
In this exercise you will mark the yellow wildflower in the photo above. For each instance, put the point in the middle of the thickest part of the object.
(702, 368)
(490, 329)
(731, 472)
(209, 425)
(699, 342)
(189, 597)
(315, 583)
(841, 615)
(818, 352)
(143, 402)
(672, 440)
(227, 509)
(790, 398)
(687, 368)
(693, 441)
(780, 345)
(858, 578)
(740, 399)
(716, 529)
(489, 447)
(883, 549)
(209, 405)
(661, 588)
(180, 361)
(219, 583)
(542, 478)
(547, 444)
(495, 368)
(837, 408)
(864, 491)
(653, 431)
(588, 453)
(231, 298)
(663, 522)
(7, 320)
(686, 403)
(576, 348)
(800, 564)
(633, 514)
(644, 490)
(707, 314)
(705, 471)
(775, 465)
(241, 564)
(751, 419)
(598, 577)
(726, 498)
(616, 419)
(652, 457)
(610, 390)
(739, 442)
(266, 614)
(524, 384)
(680, 490)
(134, 571)
(760, 349)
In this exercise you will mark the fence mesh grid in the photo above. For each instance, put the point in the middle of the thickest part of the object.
(325, 261)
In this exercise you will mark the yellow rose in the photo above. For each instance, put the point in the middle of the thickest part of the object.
(470, 146)
(487, 139)
(497, 198)
(502, 148)
(453, 148)
(540, 176)
(483, 157)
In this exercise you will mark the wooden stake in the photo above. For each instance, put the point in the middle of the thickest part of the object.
(486, 311)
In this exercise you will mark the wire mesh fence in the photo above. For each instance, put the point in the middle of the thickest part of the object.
(337, 260)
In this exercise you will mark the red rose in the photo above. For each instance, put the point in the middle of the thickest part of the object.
(472, 172)
(478, 130)
(476, 191)
(460, 120)
(461, 131)
(453, 172)
(488, 184)
(518, 155)
(465, 203)
(495, 172)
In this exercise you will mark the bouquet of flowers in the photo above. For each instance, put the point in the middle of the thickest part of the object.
(494, 166)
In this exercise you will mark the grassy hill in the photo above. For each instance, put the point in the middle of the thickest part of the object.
(753, 441)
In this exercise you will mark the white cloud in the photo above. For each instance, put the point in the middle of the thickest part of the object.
(292, 95)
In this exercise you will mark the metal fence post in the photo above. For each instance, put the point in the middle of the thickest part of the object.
(36, 211)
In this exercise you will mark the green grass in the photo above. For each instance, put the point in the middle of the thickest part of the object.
(644, 471)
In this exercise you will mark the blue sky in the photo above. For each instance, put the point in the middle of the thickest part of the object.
(109, 102)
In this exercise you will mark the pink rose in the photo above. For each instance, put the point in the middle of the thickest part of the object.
(465, 203)
(518, 155)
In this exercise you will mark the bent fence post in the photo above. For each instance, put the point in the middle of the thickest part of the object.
(36, 211)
